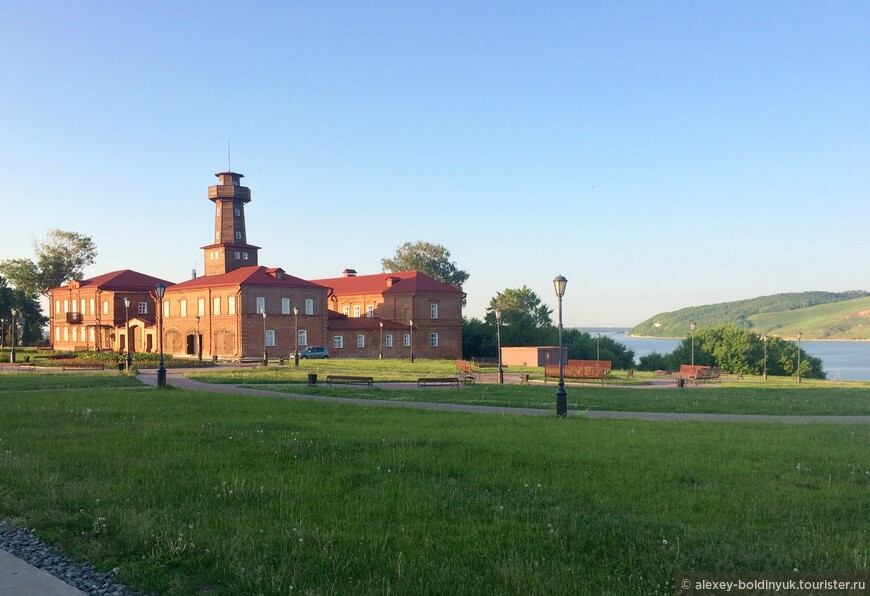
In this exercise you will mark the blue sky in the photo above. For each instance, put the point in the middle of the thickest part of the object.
(657, 154)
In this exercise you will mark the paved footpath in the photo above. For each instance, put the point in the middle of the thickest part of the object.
(18, 578)
(176, 378)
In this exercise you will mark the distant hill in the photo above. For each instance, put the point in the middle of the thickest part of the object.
(817, 315)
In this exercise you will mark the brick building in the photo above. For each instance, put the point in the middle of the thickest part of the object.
(389, 315)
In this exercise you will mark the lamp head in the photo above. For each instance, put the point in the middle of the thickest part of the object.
(127, 302)
(559, 284)
(692, 326)
(161, 289)
(498, 315)
(295, 310)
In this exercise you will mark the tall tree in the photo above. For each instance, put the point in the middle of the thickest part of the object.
(428, 258)
(525, 321)
(62, 256)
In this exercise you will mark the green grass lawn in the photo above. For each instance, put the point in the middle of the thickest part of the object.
(194, 492)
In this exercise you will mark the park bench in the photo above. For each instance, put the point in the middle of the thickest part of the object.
(68, 366)
(349, 380)
(575, 372)
(468, 372)
(696, 373)
(427, 381)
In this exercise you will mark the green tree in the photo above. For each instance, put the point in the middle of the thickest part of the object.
(428, 258)
(524, 320)
(62, 256)
(29, 318)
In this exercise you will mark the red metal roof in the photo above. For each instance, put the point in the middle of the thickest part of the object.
(124, 280)
(251, 276)
(406, 282)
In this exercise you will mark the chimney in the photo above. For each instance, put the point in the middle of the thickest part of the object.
(193, 273)
(349, 273)
(392, 280)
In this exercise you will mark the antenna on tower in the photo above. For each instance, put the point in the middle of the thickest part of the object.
(229, 165)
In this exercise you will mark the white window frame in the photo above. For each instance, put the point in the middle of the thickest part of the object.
(65, 306)
(93, 306)
(238, 235)
(105, 307)
(388, 340)
(357, 311)
(143, 308)
(200, 307)
(370, 311)
(361, 340)
(285, 306)
(57, 307)
(303, 337)
(346, 310)
(270, 338)
(406, 340)
(309, 306)
(338, 342)
(166, 308)
(231, 305)
(182, 308)
(237, 212)
(216, 305)
(433, 340)
(433, 310)
(84, 305)
(261, 304)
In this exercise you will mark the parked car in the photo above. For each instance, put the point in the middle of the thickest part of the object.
(314, 352)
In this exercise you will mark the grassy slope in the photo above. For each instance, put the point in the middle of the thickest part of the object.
(191, 492)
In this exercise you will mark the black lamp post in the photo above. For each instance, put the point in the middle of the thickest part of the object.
(198, 341)
(12, 356)
(2, 333)
(265, 353)
(692, 327)
(597, 346)
(127, 337)
(559, 284)
(498, 343)
(296, 320)
(411, 323)
(799, 358)
(381, 348)
(764, 339)
(161, 369)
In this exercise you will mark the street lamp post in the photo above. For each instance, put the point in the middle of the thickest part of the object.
(161, 369)
(597, 345)
(381, 348)
(127, 337)
(764, 370)
(498, 343)
(265, 353)
(12, 356)
(198, 341)
(559, 284)
(296, 320)
(411, 323)
(692, 327)
(799, 357)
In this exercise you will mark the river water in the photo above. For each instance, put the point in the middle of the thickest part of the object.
(843, 360)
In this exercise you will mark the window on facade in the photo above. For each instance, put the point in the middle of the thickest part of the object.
(237, 212)
(261, 304)
(238, 235)
(406, 339)
(231, 305)
(216, 306)
(238, 255)
(182, 308)
(217, 235)
(270, 337)
(433, 310)
(360, 341)
(166, 308)
(285, 306)
(66, 306)
(338, 342)
(143, 308)
(388, 340)
(92, 333)
(309, 306)
(433, 340)
(356, 311)
(66, 334)
(57, 306)
(57, 334)
(84, 310)
(75, 334)
(244, 256)
(346, 310)
(93, 309)
(200, 307)
(370, 310)
(105, 307)
(303, 337)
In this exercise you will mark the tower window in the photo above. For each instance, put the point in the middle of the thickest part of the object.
(238, 235)
(237, 212)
